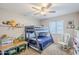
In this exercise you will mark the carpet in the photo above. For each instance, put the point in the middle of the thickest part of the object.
(53, 49)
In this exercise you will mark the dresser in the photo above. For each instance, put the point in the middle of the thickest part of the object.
(12, 49)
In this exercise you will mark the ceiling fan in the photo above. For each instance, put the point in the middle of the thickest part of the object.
(43, 9)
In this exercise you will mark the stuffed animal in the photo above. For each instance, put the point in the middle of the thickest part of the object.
(12, 23)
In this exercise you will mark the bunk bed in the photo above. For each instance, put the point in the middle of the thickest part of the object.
(38, 37)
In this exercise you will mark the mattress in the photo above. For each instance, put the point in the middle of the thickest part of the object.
(43, 41)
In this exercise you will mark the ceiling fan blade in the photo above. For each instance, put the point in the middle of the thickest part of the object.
(52, 11)
(35, 8)
(49, 5)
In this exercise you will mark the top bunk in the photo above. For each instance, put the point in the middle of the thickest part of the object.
(31, 29)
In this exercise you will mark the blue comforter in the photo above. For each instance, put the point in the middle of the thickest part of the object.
(43, 41)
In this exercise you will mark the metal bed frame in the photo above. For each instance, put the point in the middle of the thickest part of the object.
(36, 30)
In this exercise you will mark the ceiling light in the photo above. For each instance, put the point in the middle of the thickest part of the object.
(42, 13)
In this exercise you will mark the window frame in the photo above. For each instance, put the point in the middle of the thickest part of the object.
(56, 32)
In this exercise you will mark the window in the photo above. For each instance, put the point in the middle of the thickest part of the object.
(56, 27)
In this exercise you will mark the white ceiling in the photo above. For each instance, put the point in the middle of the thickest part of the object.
(26, 9)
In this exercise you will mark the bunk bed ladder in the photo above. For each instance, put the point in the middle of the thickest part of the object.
(37, 42)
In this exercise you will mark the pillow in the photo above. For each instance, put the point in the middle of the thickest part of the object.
(42, 34)
(32, 35)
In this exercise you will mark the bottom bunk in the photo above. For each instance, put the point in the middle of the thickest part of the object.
(43, 42)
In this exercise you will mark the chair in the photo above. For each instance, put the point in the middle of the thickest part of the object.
(65, 42)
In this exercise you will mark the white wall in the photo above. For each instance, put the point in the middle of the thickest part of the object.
(73, 17)
(4, 15)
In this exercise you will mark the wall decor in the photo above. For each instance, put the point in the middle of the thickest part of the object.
(12, 23)
(71, 25)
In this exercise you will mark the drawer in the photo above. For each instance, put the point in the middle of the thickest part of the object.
(0, 53)
(21, 47)
(11, 51)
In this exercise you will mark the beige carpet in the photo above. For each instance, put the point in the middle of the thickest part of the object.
(53, 49)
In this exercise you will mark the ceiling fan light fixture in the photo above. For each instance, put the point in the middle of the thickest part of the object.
(43, 13)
